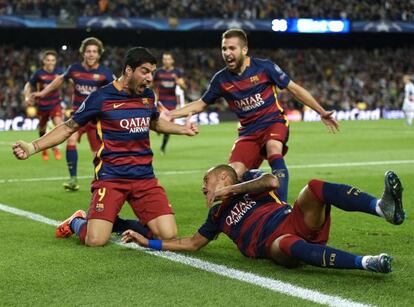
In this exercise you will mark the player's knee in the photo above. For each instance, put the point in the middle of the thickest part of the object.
(281, 251)
(95, 241)
(166, 233)
(315, 187)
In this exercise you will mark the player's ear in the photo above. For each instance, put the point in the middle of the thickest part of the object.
(128, 71)
(244, 50)
(223, 175)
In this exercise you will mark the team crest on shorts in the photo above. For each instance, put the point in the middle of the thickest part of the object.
(99, 207)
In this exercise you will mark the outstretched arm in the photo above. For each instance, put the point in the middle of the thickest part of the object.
(163, 126)
(60, 133)
(264, 183)
(192, 107)
(55, 84)
(26, 92)
(190, 244)
(302, 95)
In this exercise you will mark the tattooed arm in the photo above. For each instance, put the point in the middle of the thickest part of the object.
(59, 134)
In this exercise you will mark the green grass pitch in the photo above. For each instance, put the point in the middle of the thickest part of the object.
(37, 269)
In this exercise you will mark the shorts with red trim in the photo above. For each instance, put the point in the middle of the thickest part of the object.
(294, 224)
(145, 196)
(90, 130)
(44, 116)
(251, 149)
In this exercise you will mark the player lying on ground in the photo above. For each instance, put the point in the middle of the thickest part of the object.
(124, 111)
(262, 226)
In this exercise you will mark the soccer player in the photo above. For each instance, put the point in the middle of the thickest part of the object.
(166, 80)
(125, 111)
(249, 86)
(408, 105)
(263, 226)
(49, 106)
(87, 77)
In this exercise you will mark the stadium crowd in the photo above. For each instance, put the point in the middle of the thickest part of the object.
(396, 10)
(339, 79)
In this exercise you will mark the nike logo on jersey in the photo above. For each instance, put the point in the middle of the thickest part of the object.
(227, 88)
(274, 134)
(117, 105)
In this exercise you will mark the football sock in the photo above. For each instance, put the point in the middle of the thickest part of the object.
(77, 224)
(319, 255)
(345, 197)
(121, 225)
(72, 159)
(165, 139)
(279, 169)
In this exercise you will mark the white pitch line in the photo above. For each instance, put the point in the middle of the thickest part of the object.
(196, 171)
(264, 282)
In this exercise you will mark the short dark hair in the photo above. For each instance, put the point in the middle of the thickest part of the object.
(91, 41)
(239, 33)
(137, 56)
(49, 52)
(228, 169)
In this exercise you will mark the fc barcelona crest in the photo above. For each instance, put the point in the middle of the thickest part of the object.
(254, 79)
(96, 76)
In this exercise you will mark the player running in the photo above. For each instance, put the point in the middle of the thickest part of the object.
(408, 105)
(49, 106)
(249, 86)
(166, 80)
(262, 226)
(87, 77)
(125, 111)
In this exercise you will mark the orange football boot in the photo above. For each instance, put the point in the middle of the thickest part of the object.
(56, 152)
(63, 230)
(45, 155)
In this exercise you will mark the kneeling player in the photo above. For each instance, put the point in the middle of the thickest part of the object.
(264, 227)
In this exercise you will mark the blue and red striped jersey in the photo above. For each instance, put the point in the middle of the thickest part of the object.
(165, 82)
(251, 95)
(123, 126)
(248, 220)
(86, 81)
(39, 80)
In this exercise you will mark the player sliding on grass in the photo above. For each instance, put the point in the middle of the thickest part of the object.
(125, 111)
(249, 86)
(262, 226)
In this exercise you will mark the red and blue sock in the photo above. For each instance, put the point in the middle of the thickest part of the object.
(72, 159)
(79, 227)
(279, 169)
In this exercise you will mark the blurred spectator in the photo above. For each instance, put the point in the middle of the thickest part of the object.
(339, 79)
(401, 10)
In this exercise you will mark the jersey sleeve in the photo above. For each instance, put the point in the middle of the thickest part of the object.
(155, 113)
(276, 74)
(252, 174)
(90, 109)
(213, 91)
(109, 75)
(210, 229)
(179, 73)
(33, 79)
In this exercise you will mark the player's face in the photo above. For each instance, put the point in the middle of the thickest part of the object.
(233, 53)
(141, 77)
(167, 61)
(49, 62)
(91, 55)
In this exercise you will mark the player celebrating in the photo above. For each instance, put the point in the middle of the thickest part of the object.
(166, 80)
(262, 226)
(86, 77)
(125, 111)
(49, 106)
(408, 105)
(249, 86)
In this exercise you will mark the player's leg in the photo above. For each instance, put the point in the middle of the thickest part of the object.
(121, 225)
(245, 155)
(275, 138)
(72, 163)
(150, 204)
(349, 198)
(96, 228)
(288, 249)
(93, 139)
(57, 119)
(43, 119)
(165, 139)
